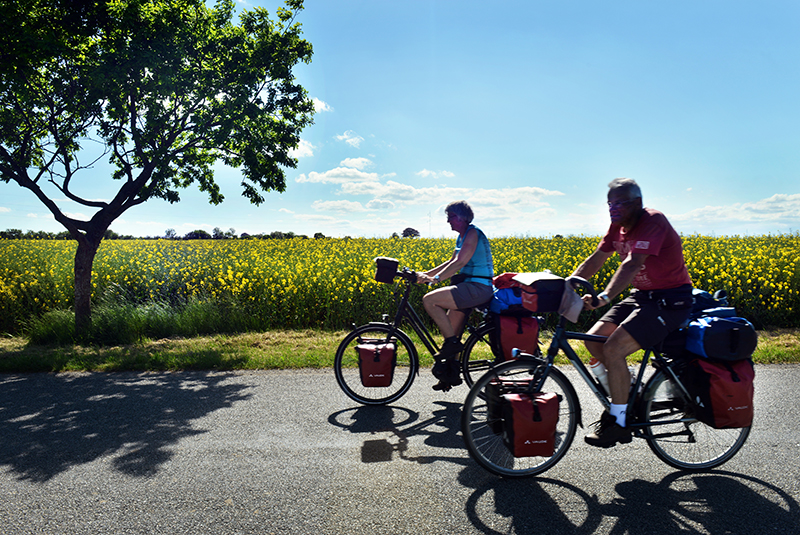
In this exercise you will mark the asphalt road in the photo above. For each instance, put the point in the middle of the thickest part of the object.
(287, 452)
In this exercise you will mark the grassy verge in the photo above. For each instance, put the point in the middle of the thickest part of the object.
(268, 350)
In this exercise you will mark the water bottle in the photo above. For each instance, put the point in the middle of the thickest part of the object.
(600, 372)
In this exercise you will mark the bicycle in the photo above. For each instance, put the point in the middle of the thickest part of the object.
(659, 411)
(476, 356)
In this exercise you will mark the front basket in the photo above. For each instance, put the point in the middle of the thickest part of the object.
(386, 269)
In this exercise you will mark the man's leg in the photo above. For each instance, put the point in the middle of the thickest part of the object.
(613, 354)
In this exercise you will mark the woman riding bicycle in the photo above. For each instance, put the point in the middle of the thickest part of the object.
(470, 270)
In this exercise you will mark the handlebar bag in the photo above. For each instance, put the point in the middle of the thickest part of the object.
(721, 338)
(529, 424)
(722, 391)
(377, 360)
(386, 269)
(542, 291)
(514, 330)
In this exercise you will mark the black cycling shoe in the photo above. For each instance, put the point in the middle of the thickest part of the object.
(449, 349)
(607, 432)
(449, 374)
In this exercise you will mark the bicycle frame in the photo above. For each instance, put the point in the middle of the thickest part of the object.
(406, 311)
(560, 342)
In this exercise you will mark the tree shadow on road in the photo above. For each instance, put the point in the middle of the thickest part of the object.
(715, 502)
(50, 423)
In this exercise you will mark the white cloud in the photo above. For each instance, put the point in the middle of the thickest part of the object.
(351, 138)
(304, 149)
(321, 106)
(340, 175)
(4, 210)
(425, 173)
(32, 215)
(780, 208)
(380, 204)
(285, 211)
(337, 206)
(356, 163)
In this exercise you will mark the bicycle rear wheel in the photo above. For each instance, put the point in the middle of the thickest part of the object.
(348, 374)
(477, 356)
(482, 428)
(679, 439)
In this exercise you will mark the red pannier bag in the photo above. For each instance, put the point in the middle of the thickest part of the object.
(723, 391)
(495, 391)
(517, 330)
(376, 362)
(529, 425)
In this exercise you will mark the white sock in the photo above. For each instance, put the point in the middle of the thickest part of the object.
(618, 412)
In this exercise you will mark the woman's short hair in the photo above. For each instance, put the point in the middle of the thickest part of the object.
(461, 209)
(628, 185)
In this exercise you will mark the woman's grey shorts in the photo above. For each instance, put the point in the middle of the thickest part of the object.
(471, 294)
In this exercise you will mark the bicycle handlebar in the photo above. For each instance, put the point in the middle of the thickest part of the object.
(580, 282)
(407, 274)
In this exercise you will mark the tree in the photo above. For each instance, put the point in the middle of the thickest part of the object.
(410, 233)
(166, 89)
(170, 234)
(199, 234)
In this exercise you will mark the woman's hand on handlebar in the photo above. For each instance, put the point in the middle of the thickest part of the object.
(424, 278)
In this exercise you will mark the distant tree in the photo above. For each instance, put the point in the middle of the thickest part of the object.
(197, 235)
(165, 89)
(11, 234)
(170, 234)
(217, 234)
(395, 235)
(231, 234)
(410, 233)
(319, 236)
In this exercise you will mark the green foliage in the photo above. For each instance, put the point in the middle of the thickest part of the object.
(166, 88)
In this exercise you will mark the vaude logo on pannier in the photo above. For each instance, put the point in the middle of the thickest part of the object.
(377, 375)
(742, 408)
(535, 442)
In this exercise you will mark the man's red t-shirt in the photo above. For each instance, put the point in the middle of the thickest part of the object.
(664, 268)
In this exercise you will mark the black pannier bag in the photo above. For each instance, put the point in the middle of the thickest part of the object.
(721, 338)
(541, 292)
(529, 424)
(377, 360)
(386, 269)
(722, 391)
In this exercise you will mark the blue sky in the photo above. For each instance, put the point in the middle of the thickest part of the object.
(526, 109)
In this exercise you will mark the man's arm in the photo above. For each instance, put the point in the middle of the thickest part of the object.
(592, 264)
(621, 279)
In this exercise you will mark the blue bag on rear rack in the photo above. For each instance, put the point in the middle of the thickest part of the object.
(721, 338)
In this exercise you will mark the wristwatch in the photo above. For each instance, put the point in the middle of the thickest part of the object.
(436, 278)
(604, 297)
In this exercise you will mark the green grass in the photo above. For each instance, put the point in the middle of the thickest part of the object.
(280, 349)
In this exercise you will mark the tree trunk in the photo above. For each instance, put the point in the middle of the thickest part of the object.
(84, 259)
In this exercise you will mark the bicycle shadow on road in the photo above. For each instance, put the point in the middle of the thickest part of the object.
(440, 431)
(50, 423)
(714, 502)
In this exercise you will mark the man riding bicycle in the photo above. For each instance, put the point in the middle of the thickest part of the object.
(652, 261)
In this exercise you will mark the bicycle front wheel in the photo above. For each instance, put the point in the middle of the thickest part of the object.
(482, 426)
(477, 356)
(348, 373)
(679, 439)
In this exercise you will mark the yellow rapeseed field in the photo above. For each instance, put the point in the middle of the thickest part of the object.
(328, 283)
